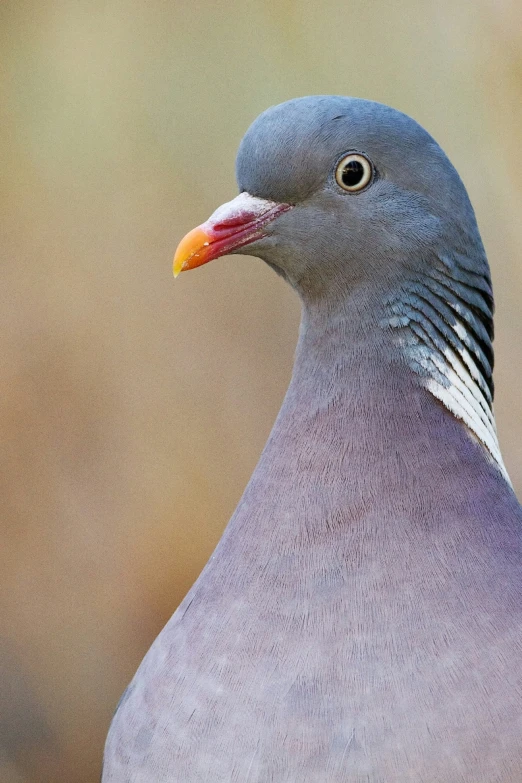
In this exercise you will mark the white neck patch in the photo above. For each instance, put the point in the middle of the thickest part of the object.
(464, 399)
(438, 337)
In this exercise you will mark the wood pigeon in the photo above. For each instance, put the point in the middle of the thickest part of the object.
(360, 620)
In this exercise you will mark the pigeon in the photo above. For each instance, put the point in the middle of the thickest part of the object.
(360, 620)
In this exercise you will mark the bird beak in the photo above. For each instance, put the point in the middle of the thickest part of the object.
(233, 225)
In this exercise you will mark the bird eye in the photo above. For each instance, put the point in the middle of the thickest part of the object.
(353, 172)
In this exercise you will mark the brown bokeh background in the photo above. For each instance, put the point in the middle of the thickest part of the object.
(133, 408)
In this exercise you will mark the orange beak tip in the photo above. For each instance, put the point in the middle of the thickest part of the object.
(190, 251)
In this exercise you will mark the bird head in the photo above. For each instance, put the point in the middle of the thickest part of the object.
(335, 192)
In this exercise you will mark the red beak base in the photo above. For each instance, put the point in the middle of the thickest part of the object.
(233, 225)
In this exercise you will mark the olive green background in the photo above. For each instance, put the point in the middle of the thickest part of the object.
(132, 407)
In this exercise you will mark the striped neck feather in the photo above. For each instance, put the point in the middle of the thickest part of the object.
(444, 323)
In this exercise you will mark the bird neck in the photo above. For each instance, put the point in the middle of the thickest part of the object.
(381, 377)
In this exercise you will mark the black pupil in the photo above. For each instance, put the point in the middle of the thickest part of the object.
(353, 172)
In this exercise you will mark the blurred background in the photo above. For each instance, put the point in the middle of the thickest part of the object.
(133, 408)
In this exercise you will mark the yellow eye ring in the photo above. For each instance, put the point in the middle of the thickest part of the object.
(353, 172)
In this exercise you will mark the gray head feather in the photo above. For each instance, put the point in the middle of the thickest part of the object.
(416, 203)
